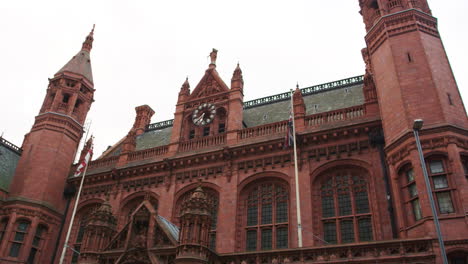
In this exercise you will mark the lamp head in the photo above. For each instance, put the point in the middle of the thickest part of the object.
(418, 124)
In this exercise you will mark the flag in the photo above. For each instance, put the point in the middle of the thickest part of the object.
(289, 139)
(84, 162)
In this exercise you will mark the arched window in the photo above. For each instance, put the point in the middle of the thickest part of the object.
(21, 231)
(410, 193)
(346, 214)
(441, 187)
(130, 207)
(458, 257)
(3, 226)
(266, 221)
(213, 199)
(37, 243)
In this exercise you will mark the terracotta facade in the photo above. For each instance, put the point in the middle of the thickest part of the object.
(217, 185)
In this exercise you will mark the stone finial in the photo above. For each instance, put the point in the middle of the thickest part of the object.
(213, 56)
(298, 103)
(237, 80)
(88, 43)
(184, 91)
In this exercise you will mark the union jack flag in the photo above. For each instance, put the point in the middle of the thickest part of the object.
(83, 163)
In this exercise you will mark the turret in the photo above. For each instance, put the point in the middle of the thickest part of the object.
(195, 221)
(100, 229)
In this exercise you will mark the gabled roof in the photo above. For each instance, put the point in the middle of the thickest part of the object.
(210, 83)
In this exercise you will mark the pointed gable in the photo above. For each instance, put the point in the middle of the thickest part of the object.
(145, 229)
(210, 84)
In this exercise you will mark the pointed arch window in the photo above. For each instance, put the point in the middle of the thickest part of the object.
(21, 231)
(266, 225)
(346, 214)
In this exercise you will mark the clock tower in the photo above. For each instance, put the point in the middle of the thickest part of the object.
(212, 112)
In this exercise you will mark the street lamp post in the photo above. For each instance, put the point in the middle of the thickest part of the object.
(417, 125)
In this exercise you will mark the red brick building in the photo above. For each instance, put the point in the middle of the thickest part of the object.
(216, 184)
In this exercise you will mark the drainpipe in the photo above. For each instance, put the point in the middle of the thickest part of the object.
(377, 139)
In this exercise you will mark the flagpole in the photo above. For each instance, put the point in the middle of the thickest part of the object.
(72, 219)
(296, 177)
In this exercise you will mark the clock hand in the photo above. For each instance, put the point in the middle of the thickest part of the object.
(199, 119)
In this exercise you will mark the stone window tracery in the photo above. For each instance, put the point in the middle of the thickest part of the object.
(213, 199)
(21, 231)
(346, 214)
(266, 223)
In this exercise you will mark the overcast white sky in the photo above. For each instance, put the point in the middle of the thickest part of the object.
(143, 50)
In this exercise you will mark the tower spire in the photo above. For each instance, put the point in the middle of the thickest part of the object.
(80, 64)
(88, 43)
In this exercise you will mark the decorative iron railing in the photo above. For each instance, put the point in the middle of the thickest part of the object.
(10, 145)
(279, 97)
(160, 125)
(305, 91)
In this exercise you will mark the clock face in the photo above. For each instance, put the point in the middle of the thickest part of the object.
(204, 114)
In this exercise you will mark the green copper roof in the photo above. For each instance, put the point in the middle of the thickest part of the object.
(9, 157)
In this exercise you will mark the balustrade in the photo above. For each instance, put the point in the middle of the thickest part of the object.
(203, 142)
(403, 251)
(350, 113)
(105, 162)
(264, 130)
(148, 153)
